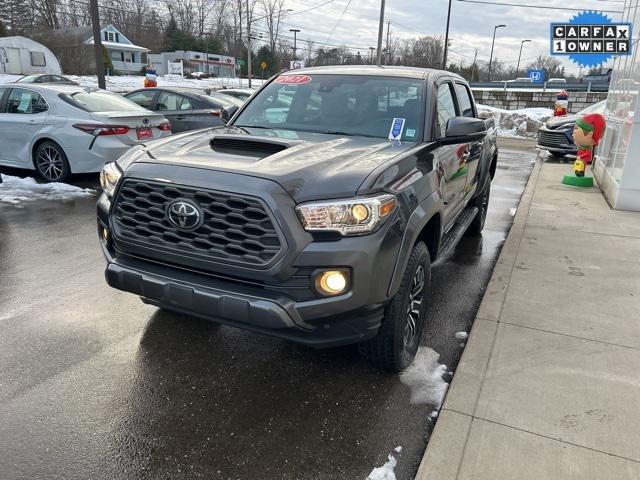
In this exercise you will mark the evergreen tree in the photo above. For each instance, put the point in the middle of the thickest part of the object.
(3, 30)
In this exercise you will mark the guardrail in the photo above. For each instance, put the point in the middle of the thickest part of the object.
(569, 87)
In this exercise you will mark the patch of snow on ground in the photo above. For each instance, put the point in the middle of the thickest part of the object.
(125, 83)
(462, 335)
(15, 190)
(523, 122)
(424, 378)
(513, 211)
(398, 449)
(386, 471)
(434, 414)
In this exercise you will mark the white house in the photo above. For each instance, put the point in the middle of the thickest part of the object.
(211, 63)
(125, 56)
(23, 56)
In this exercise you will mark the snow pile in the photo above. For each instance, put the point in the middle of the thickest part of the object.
(523, 122)
(125, 83)
(14, 190)
(424, 378)
(386, 471)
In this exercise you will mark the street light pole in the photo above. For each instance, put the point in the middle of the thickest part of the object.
(380, 33)
(520, 55)
(371, 50)
(295, 42)
(495, 29)
(446, 38)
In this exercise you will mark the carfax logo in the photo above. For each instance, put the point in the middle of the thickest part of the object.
(590, 39)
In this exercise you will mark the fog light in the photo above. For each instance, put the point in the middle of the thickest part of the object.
(104, 234)
(332, 282)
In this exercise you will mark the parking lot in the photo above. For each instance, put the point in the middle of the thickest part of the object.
(95, 384)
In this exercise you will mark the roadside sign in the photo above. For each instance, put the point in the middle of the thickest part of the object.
(240, 61)
(175, 68)
(263, 65)
(536, 76)
(296, 64)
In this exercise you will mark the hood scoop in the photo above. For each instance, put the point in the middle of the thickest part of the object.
(248, 146)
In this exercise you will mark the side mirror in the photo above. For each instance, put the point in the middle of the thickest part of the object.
(228, 112)
(463, 130)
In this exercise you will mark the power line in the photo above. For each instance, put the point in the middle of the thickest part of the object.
(339, 20)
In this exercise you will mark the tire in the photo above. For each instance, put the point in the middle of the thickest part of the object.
(396, 344)
(51, 162)
(482, 203)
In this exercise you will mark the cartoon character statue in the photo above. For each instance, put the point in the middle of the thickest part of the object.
(150, 79)
(587, 133)
(561, 107)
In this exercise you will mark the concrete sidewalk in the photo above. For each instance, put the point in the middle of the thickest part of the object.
(549, 383)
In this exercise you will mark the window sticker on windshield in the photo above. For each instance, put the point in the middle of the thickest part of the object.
(397, 127)
(411, 132)
(294, 79)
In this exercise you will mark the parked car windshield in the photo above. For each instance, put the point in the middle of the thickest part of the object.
(28, 79)
(338, 104)
(595, 108)
(225, 100)
(103, 102)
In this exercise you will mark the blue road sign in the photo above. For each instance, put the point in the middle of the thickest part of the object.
(536, 76)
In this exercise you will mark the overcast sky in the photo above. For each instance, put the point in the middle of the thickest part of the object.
(471, 24)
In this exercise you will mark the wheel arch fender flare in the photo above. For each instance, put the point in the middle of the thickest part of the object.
(429, 209)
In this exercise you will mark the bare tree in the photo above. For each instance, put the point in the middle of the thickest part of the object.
(272, 15)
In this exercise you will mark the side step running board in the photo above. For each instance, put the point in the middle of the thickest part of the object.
(453, 236)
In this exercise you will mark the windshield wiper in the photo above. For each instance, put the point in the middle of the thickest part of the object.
(252, 126)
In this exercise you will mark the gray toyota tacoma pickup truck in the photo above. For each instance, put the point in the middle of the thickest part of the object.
(314, 215)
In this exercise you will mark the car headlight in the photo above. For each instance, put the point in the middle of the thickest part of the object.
(109, 176)
(348, 217)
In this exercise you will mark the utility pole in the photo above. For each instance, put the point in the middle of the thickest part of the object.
(295, 42)
(388, 51)
(520, 55)
(495, 29)
(446, 38)
(380, 33)
(371, 50)
(97, 42)
(248, 44)
(474, 67)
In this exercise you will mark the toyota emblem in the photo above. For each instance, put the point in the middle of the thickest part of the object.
(184, 214)
(145, 121)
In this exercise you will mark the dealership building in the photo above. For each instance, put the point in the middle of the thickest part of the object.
(211, 63)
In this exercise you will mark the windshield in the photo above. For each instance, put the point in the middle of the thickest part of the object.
(104, 102)
(595, 108)
(339, 104)
(28, 79)
(226, 100)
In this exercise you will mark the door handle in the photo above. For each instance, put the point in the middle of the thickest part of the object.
(33, 122)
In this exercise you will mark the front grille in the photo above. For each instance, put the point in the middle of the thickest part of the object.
(553, 139)
(235, 228)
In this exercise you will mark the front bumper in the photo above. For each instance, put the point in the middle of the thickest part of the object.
(556, 140)
(259, 300)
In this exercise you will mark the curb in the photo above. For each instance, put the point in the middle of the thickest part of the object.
(445, 450)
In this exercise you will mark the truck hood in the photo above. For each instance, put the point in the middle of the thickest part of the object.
(307, 165)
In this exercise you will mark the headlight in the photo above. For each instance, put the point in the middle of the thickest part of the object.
(349, 217)
(109, 177)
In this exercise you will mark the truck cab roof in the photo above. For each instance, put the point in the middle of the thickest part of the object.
(381, 71)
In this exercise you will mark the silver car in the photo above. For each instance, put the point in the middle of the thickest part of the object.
(59, 130)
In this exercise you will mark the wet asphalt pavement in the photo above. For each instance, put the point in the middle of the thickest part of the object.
(96, 385)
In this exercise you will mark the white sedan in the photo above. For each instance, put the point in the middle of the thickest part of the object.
(59, 130)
